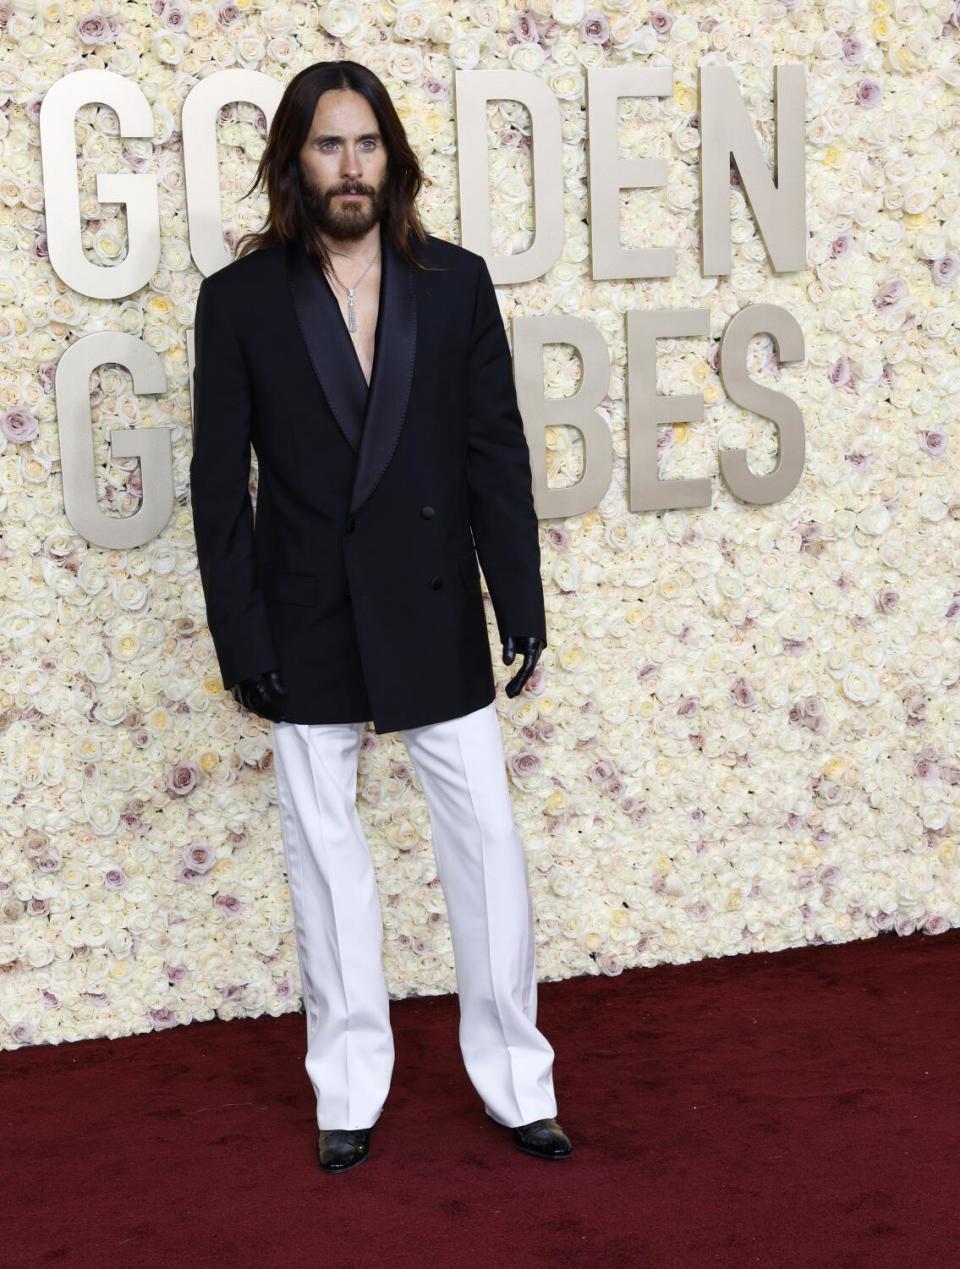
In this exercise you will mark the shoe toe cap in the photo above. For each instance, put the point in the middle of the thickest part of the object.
(341, 1148)
(544, 1136)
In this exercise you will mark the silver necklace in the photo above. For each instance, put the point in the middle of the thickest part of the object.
(351, 294)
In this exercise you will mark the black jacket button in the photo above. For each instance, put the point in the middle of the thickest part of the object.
(436, 582)
(427, 513)
(351, 525)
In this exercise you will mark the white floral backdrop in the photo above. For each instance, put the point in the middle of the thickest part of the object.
(744, 733)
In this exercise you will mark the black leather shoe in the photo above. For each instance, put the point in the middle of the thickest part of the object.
(543, 1137)
(342, 1148)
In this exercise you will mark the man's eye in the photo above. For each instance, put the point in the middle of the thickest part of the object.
(369, 141)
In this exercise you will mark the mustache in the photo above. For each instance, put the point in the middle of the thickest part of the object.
(350, 189)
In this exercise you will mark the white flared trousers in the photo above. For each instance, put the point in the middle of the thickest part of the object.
(482, 867)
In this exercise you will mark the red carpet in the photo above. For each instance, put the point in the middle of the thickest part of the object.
(792, 1109)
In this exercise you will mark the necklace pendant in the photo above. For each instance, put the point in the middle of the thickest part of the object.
(351, 311)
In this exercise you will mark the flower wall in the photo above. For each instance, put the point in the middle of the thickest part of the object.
(744, 733)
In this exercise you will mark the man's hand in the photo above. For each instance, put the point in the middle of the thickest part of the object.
(263, 694)
(530, 646)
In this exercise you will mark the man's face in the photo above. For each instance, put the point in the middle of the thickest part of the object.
(344, 151)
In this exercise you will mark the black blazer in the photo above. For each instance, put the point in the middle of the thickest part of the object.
(357, 579)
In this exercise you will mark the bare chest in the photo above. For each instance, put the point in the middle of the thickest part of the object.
(365, 308)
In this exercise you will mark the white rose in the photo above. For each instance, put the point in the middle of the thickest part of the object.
(277, 20)
(568, 12)
(103, 818)
(282, 48)
(931, 508)
(122, 61)
(642, 42)
(168, 46)
(565, 58)
(465, 52)
(874, 520)
(525, 56)
(406, 65)
(684, 30)
(251, 47)
(860, 685)
(567, 85)
(590, 54)
(38, 952)
(338, 18)
(442, 29)
(411, 22)
(622, 29)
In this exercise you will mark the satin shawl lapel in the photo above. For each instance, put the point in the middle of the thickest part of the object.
(370, 419)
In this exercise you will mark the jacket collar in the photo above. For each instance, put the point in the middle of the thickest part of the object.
(370, 419)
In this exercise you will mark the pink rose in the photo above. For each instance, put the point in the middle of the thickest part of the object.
(853, 49)
(660, 21)
(841, 244)
(183, 778)
(869, 93)
(199, 857)
(890, 293)
(524, 27)
(840, 374)
(887, 600)
(19, 424)
(595, 29)
(525, 762)
(742, 692)
(944, 270)
(174, 17)
(93, 29)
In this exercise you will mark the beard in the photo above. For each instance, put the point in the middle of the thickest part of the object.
(344, 219)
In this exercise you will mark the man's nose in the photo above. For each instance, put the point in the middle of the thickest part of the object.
(350, 167)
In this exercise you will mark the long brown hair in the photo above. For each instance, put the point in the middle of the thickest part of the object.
(279, 169)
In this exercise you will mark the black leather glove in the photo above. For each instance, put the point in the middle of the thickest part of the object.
(530, 646)
(263, 694)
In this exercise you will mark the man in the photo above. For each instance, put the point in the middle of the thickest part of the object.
(367, 363)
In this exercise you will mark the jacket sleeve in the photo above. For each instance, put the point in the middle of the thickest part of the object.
(502, 513)
(222, 509)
